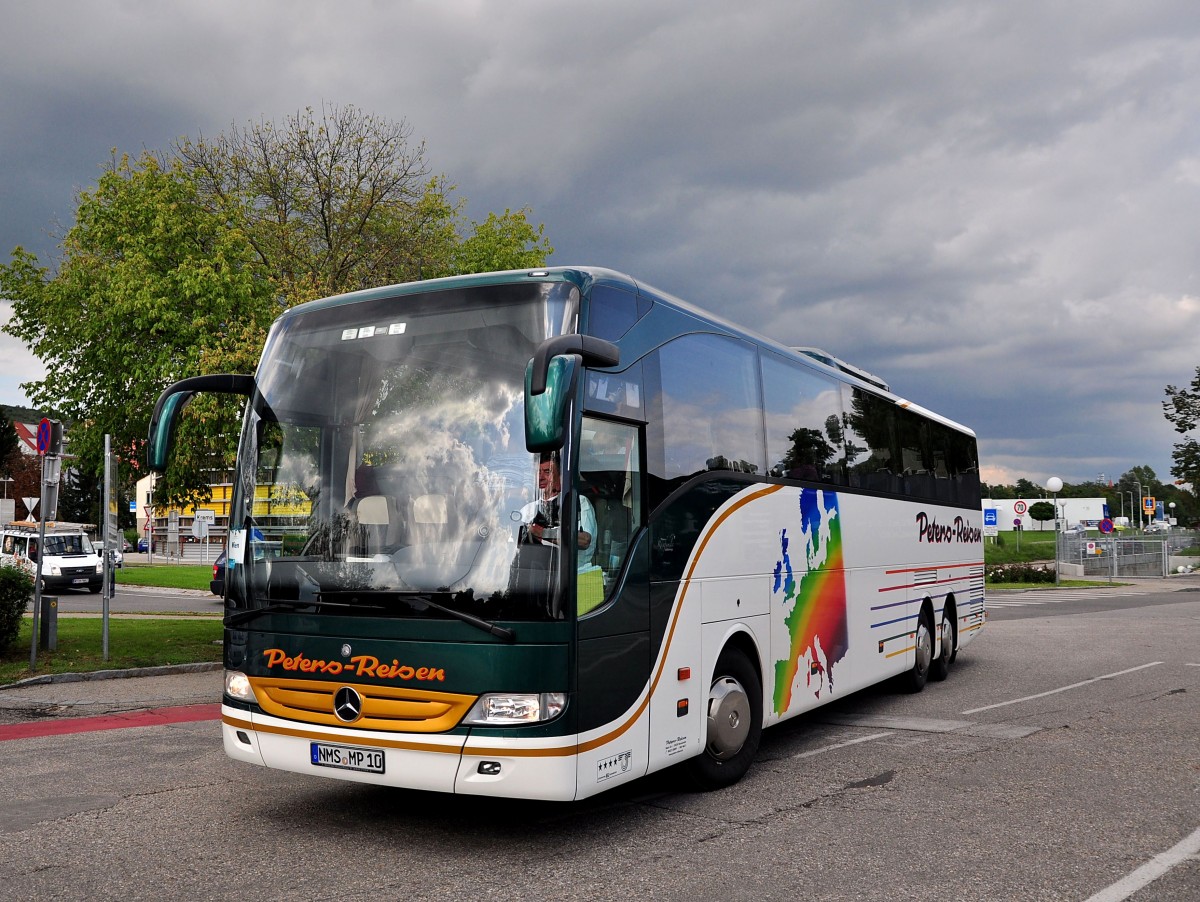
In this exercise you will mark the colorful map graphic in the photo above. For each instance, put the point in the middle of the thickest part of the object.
(813, 600)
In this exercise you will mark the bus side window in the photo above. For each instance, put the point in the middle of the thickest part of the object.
(804, 422)
(610, 479)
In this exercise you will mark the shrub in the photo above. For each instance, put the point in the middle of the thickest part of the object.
(16, 591)
(1020, 573)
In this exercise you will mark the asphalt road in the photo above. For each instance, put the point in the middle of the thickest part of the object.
(133, 600)
(1059, 761)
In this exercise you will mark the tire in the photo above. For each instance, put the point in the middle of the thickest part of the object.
(916, 678)
(940, 669)
(733, 723)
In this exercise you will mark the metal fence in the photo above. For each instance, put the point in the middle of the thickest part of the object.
(1114, 557)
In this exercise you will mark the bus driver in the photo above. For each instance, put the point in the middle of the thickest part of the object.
(541, 517)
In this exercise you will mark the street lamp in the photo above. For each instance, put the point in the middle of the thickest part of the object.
(1141, 495)
(1054, 486)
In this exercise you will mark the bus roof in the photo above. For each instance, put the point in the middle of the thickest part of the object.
(584, 277)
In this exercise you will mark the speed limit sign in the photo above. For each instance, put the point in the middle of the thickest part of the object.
(1020, 507)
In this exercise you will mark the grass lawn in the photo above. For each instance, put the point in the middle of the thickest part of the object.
(142, 642)
(169, 576)
(1034, 545)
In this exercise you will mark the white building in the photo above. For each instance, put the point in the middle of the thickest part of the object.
(1088, 511)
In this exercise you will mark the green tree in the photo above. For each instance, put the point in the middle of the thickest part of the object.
(9, 445)
(509, 241)
(176, 266)
(149, 279)
(1182, 409)
(1042, 511)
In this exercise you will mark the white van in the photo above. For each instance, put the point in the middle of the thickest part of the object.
(70, 560)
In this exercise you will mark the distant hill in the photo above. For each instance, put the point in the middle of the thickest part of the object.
(20, 414)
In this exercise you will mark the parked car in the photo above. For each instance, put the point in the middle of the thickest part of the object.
(143, 544)
(217, 586)
(1156, 526)
(116, 556)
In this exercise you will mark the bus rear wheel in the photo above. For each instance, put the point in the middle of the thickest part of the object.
(916, 678)
(733, 723)
(941, 665)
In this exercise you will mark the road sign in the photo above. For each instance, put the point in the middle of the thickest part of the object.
(206, 514)
(1020, 507)
(43, 436)
(1106, 525)
(991, 517)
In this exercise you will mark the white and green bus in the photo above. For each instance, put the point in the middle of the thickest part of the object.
(751, 533)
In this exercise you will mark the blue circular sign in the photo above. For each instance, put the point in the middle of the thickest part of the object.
(43, 436)
(1106, 525)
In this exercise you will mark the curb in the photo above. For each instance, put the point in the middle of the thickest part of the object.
(163, 670)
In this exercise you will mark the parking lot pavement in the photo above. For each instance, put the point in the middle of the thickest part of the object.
(109, 691)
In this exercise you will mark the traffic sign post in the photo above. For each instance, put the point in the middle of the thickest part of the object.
(49, 439)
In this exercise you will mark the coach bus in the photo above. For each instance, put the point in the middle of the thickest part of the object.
(536, 534)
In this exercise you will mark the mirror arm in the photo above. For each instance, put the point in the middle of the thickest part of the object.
(173, 400)
(593, 351)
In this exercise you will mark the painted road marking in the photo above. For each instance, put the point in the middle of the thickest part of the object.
(933, 725)
(842, 745)
(1151, 870)
(1028, 598)
(1107, 676)
(154, 717)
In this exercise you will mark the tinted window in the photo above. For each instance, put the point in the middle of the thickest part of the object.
(613, 312)
(804, 422)
(871, 451)
(708, 401)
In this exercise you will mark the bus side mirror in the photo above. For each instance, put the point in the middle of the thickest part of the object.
(172, 401)
(549, 378)
(545, 413)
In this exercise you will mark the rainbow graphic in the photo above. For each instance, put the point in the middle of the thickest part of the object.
(814, 602)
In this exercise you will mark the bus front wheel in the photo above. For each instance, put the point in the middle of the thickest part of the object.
(733, 723)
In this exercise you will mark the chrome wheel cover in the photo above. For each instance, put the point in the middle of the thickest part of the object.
(729, 718)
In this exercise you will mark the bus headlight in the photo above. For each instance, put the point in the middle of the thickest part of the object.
(499, 708)
(237, 685)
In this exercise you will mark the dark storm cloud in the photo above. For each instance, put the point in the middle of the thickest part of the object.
(991, 205)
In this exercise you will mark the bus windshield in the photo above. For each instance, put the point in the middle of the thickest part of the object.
(382, 468)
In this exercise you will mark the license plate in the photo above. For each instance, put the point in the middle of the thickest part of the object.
(77, 581)
(346, 757)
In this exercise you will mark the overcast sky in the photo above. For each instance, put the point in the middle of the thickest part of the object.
(993, 206)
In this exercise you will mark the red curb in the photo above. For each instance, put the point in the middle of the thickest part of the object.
(154, 717)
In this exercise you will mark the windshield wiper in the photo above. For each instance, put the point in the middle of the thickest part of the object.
(250, 613)
(418, 601)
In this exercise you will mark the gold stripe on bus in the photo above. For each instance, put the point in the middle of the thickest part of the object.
(687, 581)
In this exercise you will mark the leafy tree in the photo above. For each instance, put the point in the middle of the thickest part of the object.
(1041, 511)
(1182, 409)
(176, 266)
(9, 445)
(148, 281)
(502, 242)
